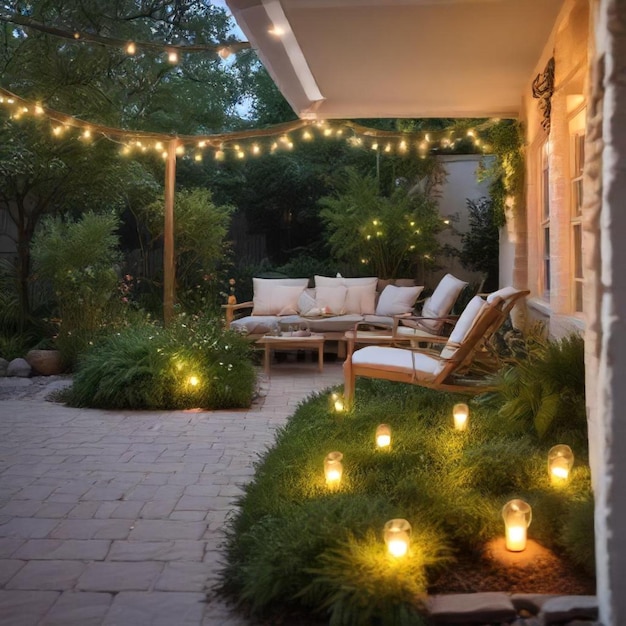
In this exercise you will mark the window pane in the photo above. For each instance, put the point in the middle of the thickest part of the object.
(578, 251)
(578, 295)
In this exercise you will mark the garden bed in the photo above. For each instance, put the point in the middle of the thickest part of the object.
(297, 545)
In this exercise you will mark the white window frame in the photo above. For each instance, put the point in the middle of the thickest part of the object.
(577, 162)
(544, 220)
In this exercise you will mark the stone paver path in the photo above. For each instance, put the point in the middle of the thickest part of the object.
(116, 517)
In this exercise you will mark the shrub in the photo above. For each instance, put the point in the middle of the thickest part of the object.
(293, 545)
(79, 259)
(545, 389)
(192, 364)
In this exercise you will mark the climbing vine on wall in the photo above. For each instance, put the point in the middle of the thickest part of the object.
(506, 171)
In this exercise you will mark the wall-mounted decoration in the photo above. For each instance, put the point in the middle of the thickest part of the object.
(543, 88)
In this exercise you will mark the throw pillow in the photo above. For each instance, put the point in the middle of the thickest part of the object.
(361, 299)
(307, 305)
(331, 300)
(277, 300)
(397, 300)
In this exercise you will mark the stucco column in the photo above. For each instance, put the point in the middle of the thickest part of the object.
(610, 387)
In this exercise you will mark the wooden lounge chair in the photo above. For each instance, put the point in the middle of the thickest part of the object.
(423, 367)
(412, 327)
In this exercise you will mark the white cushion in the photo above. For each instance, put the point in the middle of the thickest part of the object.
(331, 299)
(505, 293)
(442, 301)
(425, 367)
(397, 300)
(277, 298)
(328, 281)
(463, 326)
(361, 299)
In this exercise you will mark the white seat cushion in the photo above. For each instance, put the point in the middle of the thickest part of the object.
(424, 366)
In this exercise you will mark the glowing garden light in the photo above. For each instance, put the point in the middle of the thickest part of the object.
(131, 48)
(460, 413)
(383, 436)
(193, 381)
(333, 469)
(172, 56)
(397, 535)
(517, 516)
(560, 462)
(337, 402)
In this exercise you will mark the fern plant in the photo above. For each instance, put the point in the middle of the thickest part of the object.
(546, 388)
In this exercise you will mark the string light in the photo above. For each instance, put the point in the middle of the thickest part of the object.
(145, 140)
(172, 56)
(223, 50)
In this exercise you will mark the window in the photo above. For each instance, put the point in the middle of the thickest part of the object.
(545, 221)
(577, 163)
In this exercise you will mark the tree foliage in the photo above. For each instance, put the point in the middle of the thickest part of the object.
(481, 244)
(388, 236)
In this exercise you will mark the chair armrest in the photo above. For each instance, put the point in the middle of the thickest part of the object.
(414, 321)
(229, 310)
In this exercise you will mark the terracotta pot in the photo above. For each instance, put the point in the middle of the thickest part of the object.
(45, 362)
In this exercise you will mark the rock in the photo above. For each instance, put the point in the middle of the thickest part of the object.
(567, 608)
(531, 602)
(19, 367)
(4, 364)
(471, 608)
(45, 362)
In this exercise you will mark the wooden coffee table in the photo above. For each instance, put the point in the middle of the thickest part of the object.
(287, 341)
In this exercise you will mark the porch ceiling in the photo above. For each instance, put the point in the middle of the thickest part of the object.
(399, 58)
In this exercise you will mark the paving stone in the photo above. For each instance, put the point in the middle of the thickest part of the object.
(8, 568)
(156, 609)
(92, 529)
(28, 528)
(158, 510)
(79, 609)
(178, 576)
(157, 551)
(25, 608)
(162, 530)
(531, 602)
(119, 576)
(70, 549)
(567, 608)
(47, 575)
(8, 545)
(471, 608)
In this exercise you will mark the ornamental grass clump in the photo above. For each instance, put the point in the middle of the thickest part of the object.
(295, 545)
(193, 363)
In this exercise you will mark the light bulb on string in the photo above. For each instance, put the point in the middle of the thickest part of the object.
(256, 149)
(172, 56)
(224, 52)
(131, 48)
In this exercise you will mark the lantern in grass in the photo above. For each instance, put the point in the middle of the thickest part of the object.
(517, 516)
(383, 436)
(460, 412)
(397, 535)
(560, 462)
(337, 403)
(333, 468)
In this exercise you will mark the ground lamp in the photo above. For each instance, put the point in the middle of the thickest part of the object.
(517, 516)
(460, 412)
(397, 535)
(333, 468)
(560, 462)
(336, 402)
(383, 436)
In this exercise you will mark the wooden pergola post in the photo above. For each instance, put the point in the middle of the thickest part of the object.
(169, 265)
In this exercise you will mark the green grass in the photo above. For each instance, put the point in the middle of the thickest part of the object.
(295, 545)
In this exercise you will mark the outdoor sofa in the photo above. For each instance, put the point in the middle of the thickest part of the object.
(332, 306)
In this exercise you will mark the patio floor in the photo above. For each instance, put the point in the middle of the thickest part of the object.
(116, 517)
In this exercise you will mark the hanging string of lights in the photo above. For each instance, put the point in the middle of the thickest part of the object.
(281, 136)
(173, 51)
